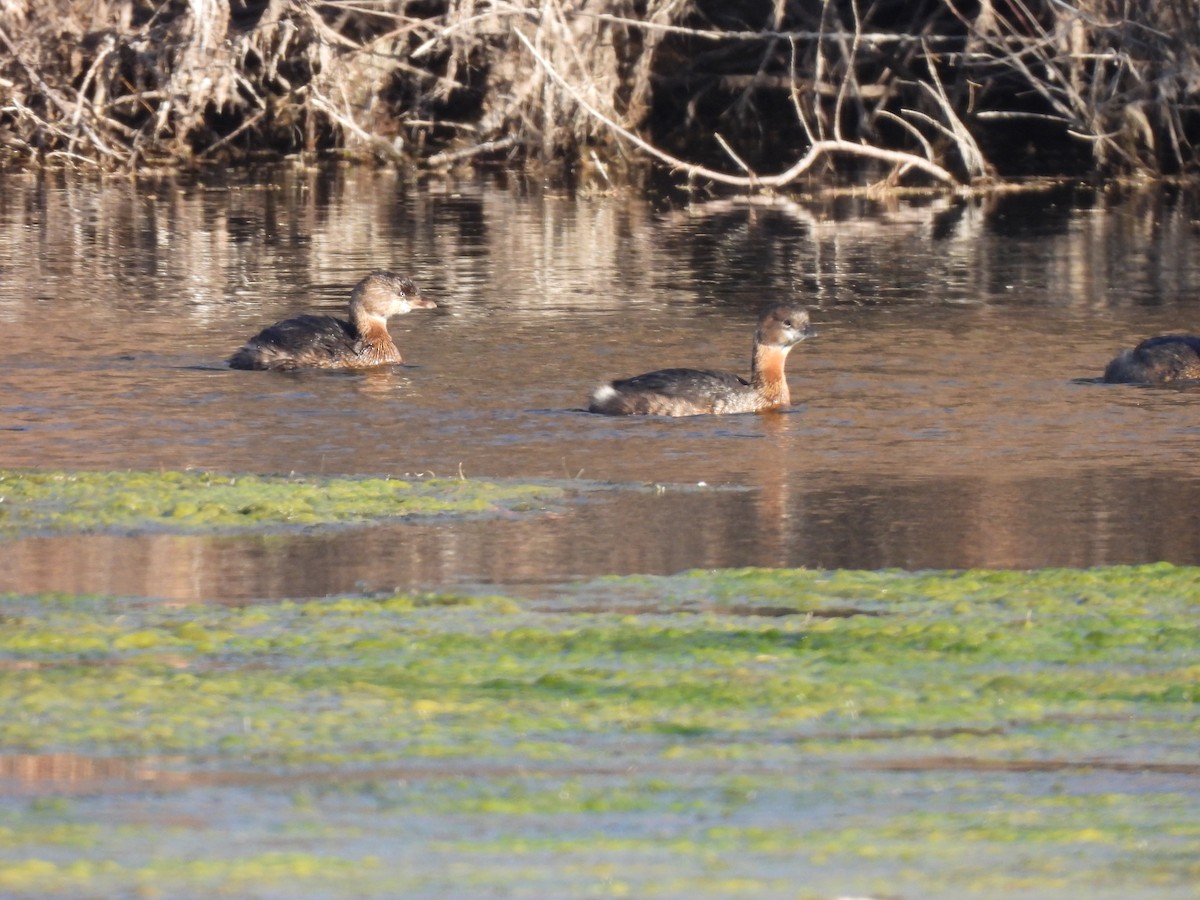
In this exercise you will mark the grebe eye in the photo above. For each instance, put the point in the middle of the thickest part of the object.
(787, 322)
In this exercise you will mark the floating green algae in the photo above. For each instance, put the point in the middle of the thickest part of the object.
(716, 733)
(39, 502)
(1005, 658)
(285, 872)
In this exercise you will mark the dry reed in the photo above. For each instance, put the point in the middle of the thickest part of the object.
(755, 95)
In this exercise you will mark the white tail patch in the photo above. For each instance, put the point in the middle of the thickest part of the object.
(603, 394)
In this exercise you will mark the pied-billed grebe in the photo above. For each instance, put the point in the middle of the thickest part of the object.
(697, 392)
(1157, 360)
(325, 342)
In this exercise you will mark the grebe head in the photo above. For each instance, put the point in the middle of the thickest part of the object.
(783, 325)
(382, 294)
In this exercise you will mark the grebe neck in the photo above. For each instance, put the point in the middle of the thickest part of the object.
(767, 376)
(371, 329)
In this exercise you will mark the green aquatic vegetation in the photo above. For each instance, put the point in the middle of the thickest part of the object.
(57, 834)
(540, 720)
(432, 672)
(1089, 843)
(39, 502)
(1121, 838)
(227, 877)
(990, 592)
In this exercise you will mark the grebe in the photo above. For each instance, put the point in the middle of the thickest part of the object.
(1157, 360)
(697, 392)
(326, 342)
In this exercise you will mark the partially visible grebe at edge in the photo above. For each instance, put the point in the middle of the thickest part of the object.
(326, 342)
(695, 392)
(1163, 359)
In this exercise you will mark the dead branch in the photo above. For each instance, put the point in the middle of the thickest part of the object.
(816, 152)
(455, 81)
(449, 158)
(343, 117)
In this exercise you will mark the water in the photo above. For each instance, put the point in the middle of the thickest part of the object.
(945, 414)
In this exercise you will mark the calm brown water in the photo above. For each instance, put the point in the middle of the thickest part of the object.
(943, 418)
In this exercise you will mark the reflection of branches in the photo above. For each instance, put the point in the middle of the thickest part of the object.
(820, 149)
(869, 219)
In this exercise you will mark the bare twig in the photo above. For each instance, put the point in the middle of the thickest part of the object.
(741, 163)
(972, 156)
(63, 105)
(907, 126)
(375, 142)
(241, 129)
(450, 157)
(1120, 76)
(817, 151)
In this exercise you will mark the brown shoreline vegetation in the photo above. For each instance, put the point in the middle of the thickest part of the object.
(756, 95)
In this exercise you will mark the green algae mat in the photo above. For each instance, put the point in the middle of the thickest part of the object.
(55, 502)
(734, 733)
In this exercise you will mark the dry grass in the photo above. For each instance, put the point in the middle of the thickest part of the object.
(753, 95)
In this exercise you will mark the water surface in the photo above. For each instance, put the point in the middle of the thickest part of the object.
(945, 414)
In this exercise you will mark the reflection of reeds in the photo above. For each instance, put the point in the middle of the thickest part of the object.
(298, 243)
(34, 772)
(722, 92)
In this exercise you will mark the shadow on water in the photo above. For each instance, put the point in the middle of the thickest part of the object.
(944, 413)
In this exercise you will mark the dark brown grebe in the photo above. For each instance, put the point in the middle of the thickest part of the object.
(325, 342)
(1157, 360)
(697, 392)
